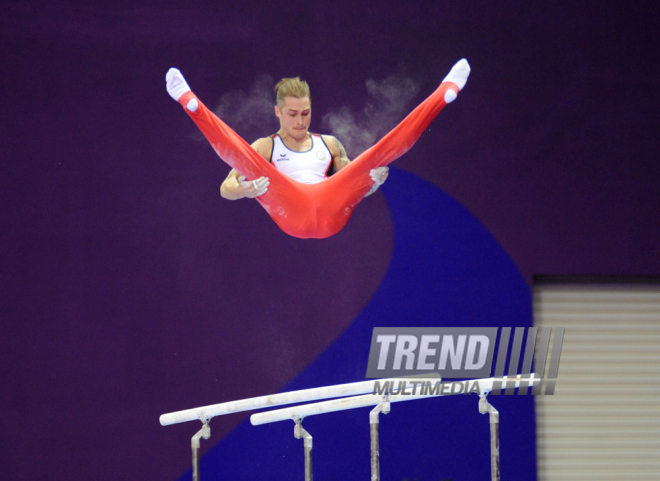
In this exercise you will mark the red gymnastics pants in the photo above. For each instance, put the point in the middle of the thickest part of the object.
(316, 210)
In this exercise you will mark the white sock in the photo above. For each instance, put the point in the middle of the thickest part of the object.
(176, 84)
(459, 74)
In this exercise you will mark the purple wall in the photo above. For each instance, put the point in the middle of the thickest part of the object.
(119, 257)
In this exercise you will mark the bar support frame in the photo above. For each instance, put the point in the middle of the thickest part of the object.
(494, 419)
(383, 407)
(300, 433)
(205, 433)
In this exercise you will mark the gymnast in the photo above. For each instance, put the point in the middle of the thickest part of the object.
(288, 172)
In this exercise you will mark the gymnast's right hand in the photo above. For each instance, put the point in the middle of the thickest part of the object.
(236, 187)
(253, 188)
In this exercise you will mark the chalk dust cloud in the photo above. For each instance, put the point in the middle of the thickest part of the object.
(387, 103)
(250, 113)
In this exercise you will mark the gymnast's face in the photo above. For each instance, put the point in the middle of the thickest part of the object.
(295, 115)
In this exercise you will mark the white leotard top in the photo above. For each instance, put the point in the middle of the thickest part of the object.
(309, 167)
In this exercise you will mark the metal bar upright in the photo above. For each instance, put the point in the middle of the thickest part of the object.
(205, 433)
(384, 408)
(494, 418)
(299, 432)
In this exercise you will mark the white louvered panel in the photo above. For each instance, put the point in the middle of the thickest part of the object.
(603, 423)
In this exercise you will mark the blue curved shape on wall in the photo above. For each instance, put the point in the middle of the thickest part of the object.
(446, 270)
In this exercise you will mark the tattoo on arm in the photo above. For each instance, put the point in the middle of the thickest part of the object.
(343, 158)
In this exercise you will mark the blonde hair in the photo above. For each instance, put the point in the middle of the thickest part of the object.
(291, 87)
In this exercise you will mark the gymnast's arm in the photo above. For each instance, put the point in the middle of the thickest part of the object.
(340, 160)
(236, 187)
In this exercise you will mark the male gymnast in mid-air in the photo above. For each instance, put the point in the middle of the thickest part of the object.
(288, 172)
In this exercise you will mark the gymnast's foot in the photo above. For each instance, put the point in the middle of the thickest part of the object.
(458, 75)
(177, 86)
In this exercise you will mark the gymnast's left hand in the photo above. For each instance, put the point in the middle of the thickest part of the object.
(379, 175)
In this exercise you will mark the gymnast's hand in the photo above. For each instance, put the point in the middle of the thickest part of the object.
(379, 176)
(236, 187)
(253, 188)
